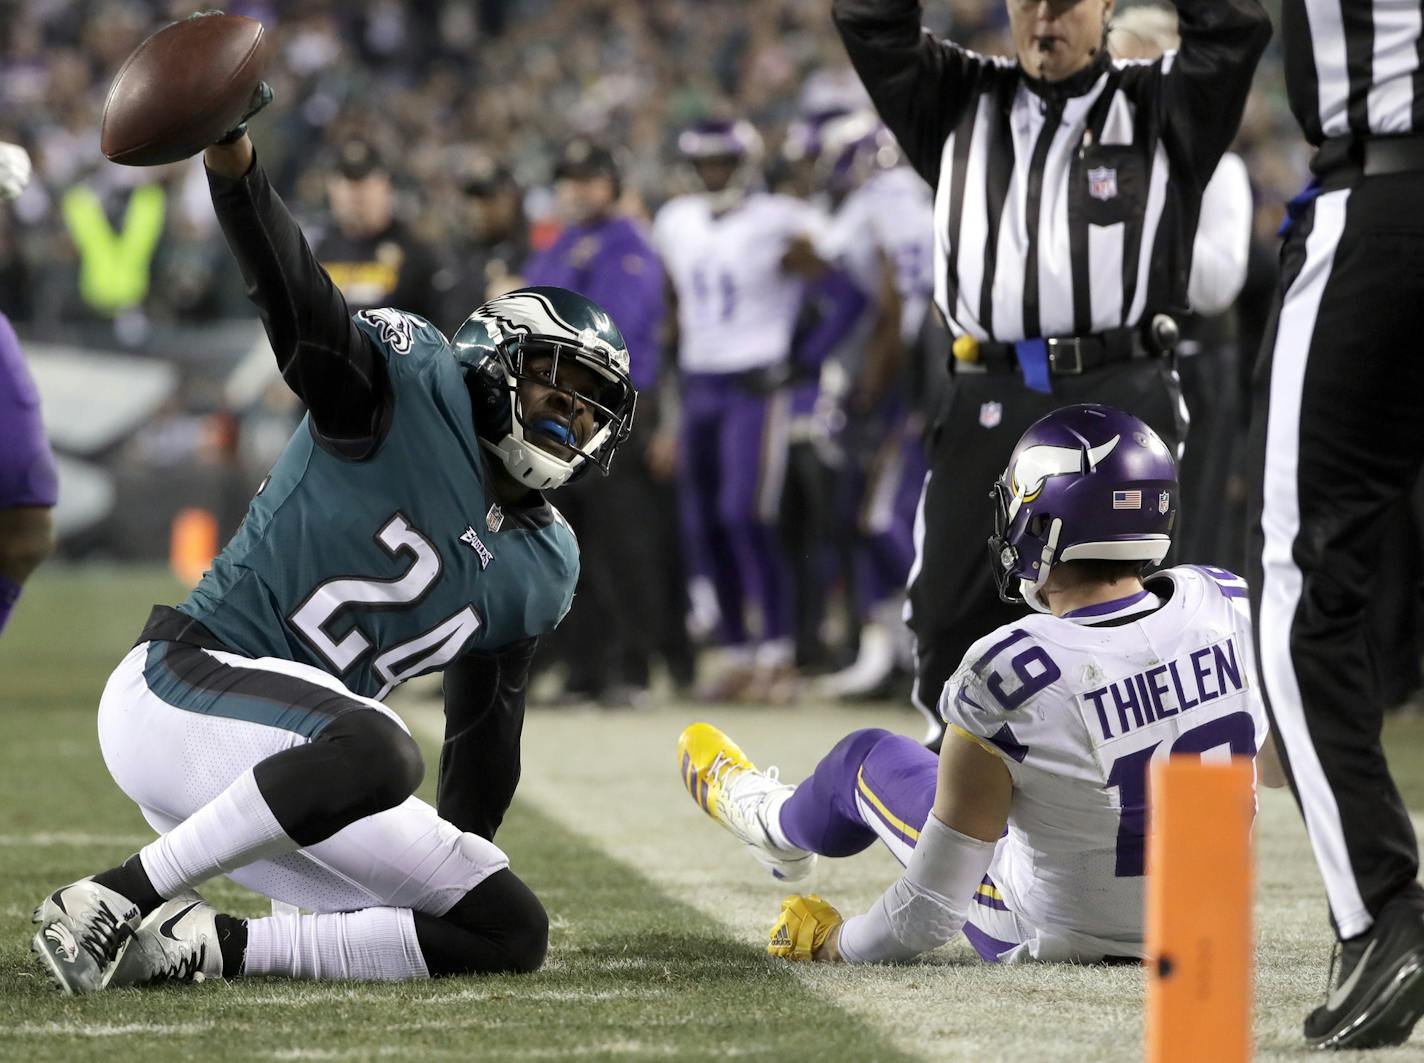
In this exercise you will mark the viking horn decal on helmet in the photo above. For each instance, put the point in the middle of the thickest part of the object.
(1037, 464)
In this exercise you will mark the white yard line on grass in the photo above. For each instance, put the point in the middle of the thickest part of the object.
(45, 839)
(81, 1029)
(612, 778)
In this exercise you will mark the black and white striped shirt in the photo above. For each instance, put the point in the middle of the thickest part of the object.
(1353, 67)
(1066, 208)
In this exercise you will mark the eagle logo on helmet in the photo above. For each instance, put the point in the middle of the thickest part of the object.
(531, 313)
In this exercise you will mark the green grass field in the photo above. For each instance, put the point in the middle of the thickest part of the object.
(657, 916)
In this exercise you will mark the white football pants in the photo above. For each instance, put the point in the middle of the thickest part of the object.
(171, 761)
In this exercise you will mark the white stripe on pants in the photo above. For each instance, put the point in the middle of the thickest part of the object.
(1282, 579)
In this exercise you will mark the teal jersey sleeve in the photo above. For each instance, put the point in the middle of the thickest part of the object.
(392, 566)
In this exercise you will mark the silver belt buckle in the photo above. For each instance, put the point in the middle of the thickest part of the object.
(1065, 355)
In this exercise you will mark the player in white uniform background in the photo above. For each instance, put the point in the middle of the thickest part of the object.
(1028, 831)
(742, 264)
(882, 233)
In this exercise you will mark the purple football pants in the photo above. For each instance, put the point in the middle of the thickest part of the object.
(885, 496)
(876, 784)
(871, 779)
(27, 472)
(733, 466)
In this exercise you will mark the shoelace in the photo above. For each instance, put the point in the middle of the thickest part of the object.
(721, 767)
(104, 934)
(185, 967)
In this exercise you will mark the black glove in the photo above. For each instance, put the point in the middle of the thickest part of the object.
(261, 97)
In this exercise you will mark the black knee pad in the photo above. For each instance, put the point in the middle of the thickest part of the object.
(377, 752)
(500, 926)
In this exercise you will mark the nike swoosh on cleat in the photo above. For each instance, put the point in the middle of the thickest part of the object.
(165, 929)
(1342, 991)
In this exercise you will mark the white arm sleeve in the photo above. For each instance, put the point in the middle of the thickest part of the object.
(924, 907)
(1223, 240)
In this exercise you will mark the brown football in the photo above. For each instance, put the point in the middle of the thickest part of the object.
(182, 89)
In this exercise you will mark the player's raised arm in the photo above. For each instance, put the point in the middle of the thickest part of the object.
(193, 86)
(331, 365)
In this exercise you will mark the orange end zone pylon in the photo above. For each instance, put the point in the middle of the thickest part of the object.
(193, 544)
(1199, 894)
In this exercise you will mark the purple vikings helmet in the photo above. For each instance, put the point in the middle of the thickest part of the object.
(737, 141)
(1083, 482)
(853, 146)
(803, 136)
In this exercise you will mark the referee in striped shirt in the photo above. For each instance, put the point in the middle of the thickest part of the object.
(1067, 189)
(1337, 440)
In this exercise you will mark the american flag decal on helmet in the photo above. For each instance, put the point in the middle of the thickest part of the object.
(1127, 500)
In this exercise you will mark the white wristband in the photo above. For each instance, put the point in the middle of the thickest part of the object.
(924, 907)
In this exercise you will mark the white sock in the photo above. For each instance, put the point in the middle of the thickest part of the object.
(232, 830)
(374, 945)
(771, 816)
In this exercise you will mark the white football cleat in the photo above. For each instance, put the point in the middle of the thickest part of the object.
(178, 942)
(84, 929)
(727, 786)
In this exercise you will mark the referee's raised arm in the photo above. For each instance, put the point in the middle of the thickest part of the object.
(920, 85)
(1205, 85)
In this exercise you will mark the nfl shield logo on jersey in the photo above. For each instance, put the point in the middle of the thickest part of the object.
(991, 413)
(1102, 182)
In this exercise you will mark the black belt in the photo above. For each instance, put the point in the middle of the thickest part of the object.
(1075, 355)
(166, 624)
(1342, 160)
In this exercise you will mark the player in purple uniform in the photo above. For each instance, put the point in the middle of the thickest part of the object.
(29, 486)
(630, 600)
(742, 266)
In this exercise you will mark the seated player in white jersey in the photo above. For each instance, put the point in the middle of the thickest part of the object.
(1028, 831)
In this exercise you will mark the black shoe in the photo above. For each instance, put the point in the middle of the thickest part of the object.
(1380, 992)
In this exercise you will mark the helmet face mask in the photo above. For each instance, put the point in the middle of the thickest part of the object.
(543, 365)
(1085, 482)
(547, 372)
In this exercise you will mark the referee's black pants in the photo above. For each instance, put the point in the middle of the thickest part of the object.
(1337, 440)
(952, 596)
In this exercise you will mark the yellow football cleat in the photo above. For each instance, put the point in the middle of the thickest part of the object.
(728, 787)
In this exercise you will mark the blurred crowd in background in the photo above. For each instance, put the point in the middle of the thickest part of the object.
(437, 87)
(435, 125)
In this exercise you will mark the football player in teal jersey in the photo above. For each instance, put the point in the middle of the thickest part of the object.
(402, 531)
